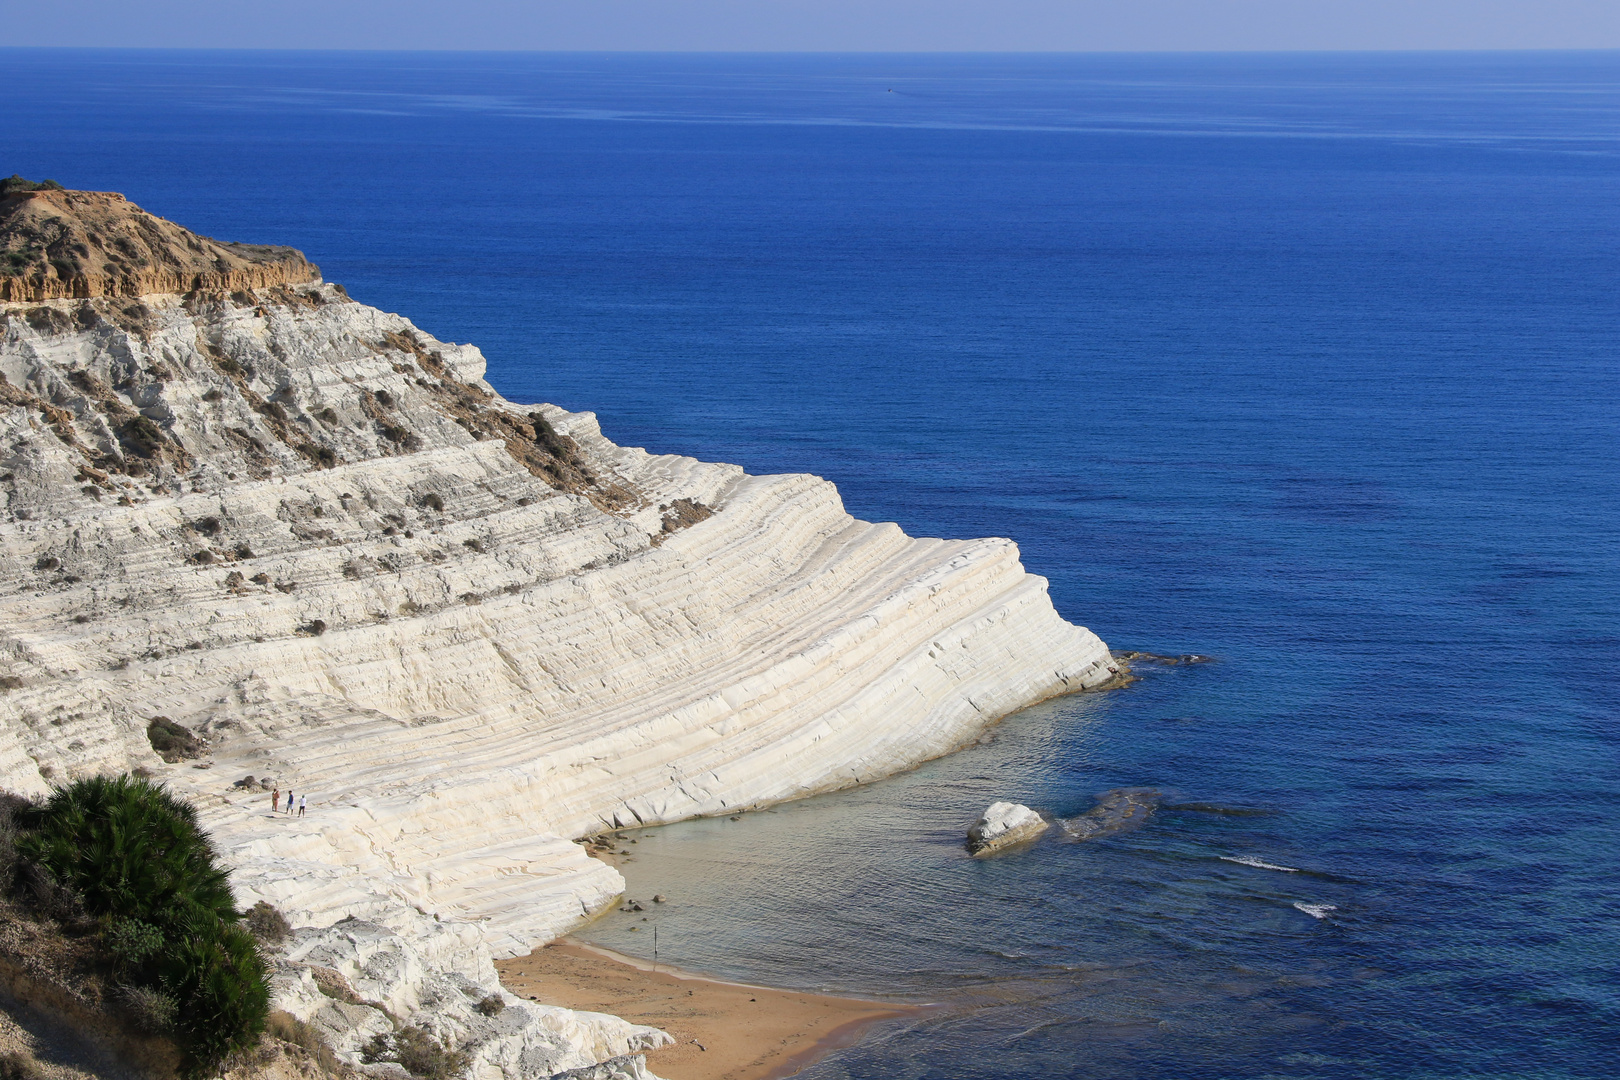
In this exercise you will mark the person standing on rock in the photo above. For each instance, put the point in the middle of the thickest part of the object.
(301, 799)
(275, 800)
(289, 802)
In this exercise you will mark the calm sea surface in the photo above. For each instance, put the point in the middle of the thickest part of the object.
(1309, 363)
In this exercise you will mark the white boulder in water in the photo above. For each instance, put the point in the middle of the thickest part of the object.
(1004, 825)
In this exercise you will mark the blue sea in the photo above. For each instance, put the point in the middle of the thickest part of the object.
(1309, 363)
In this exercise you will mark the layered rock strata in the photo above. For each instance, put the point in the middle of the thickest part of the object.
(469, 632)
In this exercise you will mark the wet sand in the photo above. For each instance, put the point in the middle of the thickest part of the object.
(723, 1031)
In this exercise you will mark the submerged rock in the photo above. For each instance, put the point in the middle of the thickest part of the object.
(1136, 657)
(1004, 825)
(1119, 810)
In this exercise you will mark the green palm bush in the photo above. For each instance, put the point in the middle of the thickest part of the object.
(130, 849)
(218, 972)
(134, 856)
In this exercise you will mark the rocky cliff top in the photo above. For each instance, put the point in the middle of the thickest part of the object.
(59, 244)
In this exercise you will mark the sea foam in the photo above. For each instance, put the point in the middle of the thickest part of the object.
(1249, 860)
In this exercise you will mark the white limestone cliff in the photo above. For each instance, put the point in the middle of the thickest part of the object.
(346, 979)
(469, 632)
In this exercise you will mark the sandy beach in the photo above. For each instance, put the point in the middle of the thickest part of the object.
(723, 1031)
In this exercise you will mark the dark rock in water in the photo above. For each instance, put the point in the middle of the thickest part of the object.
(1119, 810)
(1167, 661)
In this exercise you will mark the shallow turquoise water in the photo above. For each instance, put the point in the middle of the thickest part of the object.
(1307, 363)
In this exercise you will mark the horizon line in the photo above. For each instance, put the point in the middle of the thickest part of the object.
(817, 52)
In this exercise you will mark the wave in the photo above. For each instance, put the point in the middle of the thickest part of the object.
(1217, 808)
(1315, 911)
(1247, 860)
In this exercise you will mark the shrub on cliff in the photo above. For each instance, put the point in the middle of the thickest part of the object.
(17, 183)
(216, 970)
(133, 856)
(267, 923)
(151, 1011)
(19, 1067)
(171, 741)
(132, 850)
(141, 436)
(416, 1051)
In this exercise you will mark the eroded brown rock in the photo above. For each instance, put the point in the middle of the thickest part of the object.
(63, 245)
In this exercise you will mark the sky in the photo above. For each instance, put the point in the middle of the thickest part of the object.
(817, 25)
